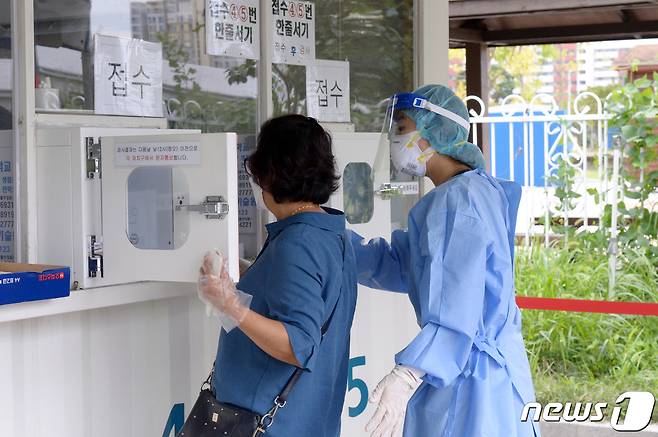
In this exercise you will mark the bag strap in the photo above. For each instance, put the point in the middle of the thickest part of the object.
(280, 401)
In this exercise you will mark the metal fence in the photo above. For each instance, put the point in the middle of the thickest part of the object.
(539, 145)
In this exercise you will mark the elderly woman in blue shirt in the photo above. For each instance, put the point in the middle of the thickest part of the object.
(304, 276)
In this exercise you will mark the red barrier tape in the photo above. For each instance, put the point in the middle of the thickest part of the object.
(587, 306)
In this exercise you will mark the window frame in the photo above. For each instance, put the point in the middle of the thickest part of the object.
(430, 63)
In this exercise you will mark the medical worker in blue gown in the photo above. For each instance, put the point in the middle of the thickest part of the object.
(466, 373)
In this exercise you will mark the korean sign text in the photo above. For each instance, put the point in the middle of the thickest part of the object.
(232, 28)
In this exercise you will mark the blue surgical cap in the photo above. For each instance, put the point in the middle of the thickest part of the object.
(444, 135)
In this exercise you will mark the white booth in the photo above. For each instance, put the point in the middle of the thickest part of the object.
(127, 352)
(133, 342)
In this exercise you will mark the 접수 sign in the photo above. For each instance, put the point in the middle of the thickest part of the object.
(127, 76)
(328, 91)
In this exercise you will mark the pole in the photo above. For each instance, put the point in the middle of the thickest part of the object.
(613, 247)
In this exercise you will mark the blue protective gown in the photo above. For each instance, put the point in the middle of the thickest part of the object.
(456, 264)
(296, 279)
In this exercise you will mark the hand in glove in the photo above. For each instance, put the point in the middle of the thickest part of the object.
(391, 396)
(216, 289)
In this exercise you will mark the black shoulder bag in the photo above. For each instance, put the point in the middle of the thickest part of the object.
(211, 418)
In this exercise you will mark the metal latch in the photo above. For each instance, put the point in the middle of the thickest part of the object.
(94, 257)
(93, 150)
(214, 207)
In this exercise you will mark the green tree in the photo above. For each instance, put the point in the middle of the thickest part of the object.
(503, 84)
(514, 69)
(198, 109)
(457, 71)
(634, 107)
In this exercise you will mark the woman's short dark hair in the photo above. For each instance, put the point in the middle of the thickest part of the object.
(293, 160)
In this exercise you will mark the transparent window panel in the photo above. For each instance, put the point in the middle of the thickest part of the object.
(200, 91)
(375, 37)
(153, 222)
(358, 192)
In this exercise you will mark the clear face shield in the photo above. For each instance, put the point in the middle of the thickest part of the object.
(394, 122)
(399, 139)
(399, 142)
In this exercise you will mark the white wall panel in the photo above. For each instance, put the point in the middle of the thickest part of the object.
(105, 372)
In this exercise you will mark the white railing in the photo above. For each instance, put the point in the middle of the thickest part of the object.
(527, 140)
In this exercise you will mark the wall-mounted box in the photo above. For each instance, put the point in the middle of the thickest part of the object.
(129, 205)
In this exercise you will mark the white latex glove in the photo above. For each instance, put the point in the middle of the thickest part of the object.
(391, 396)
(216, 289)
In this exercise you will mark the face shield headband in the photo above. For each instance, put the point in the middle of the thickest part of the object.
(404, 101)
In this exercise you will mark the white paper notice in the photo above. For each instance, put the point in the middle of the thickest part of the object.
(127, 76)
(232, 28)
(293, 32)
(328, 91)
(157, 154)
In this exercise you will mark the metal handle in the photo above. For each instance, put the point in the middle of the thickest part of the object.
(214, 207)
(388, 190)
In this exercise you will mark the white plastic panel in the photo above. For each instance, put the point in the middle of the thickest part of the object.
(55, 205)
(214, 175)
(106, 372)
(384, 322)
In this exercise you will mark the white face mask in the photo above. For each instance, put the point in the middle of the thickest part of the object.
(258, 195)
(407, 155)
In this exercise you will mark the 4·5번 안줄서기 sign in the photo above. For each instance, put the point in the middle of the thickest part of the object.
(293, 32)
(232, 28)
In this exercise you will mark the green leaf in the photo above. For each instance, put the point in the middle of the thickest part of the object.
(628, 132)
(633, 195)
(643, 82)
(650, 141)
(650, 113)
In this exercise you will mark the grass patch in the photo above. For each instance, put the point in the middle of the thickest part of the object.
(588, 357)
(564, 388)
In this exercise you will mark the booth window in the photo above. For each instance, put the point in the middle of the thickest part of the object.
(375, 37)
(358, 187)
(211, 93)
(155, 217)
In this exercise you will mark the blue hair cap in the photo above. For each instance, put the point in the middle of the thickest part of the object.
(444, 135)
